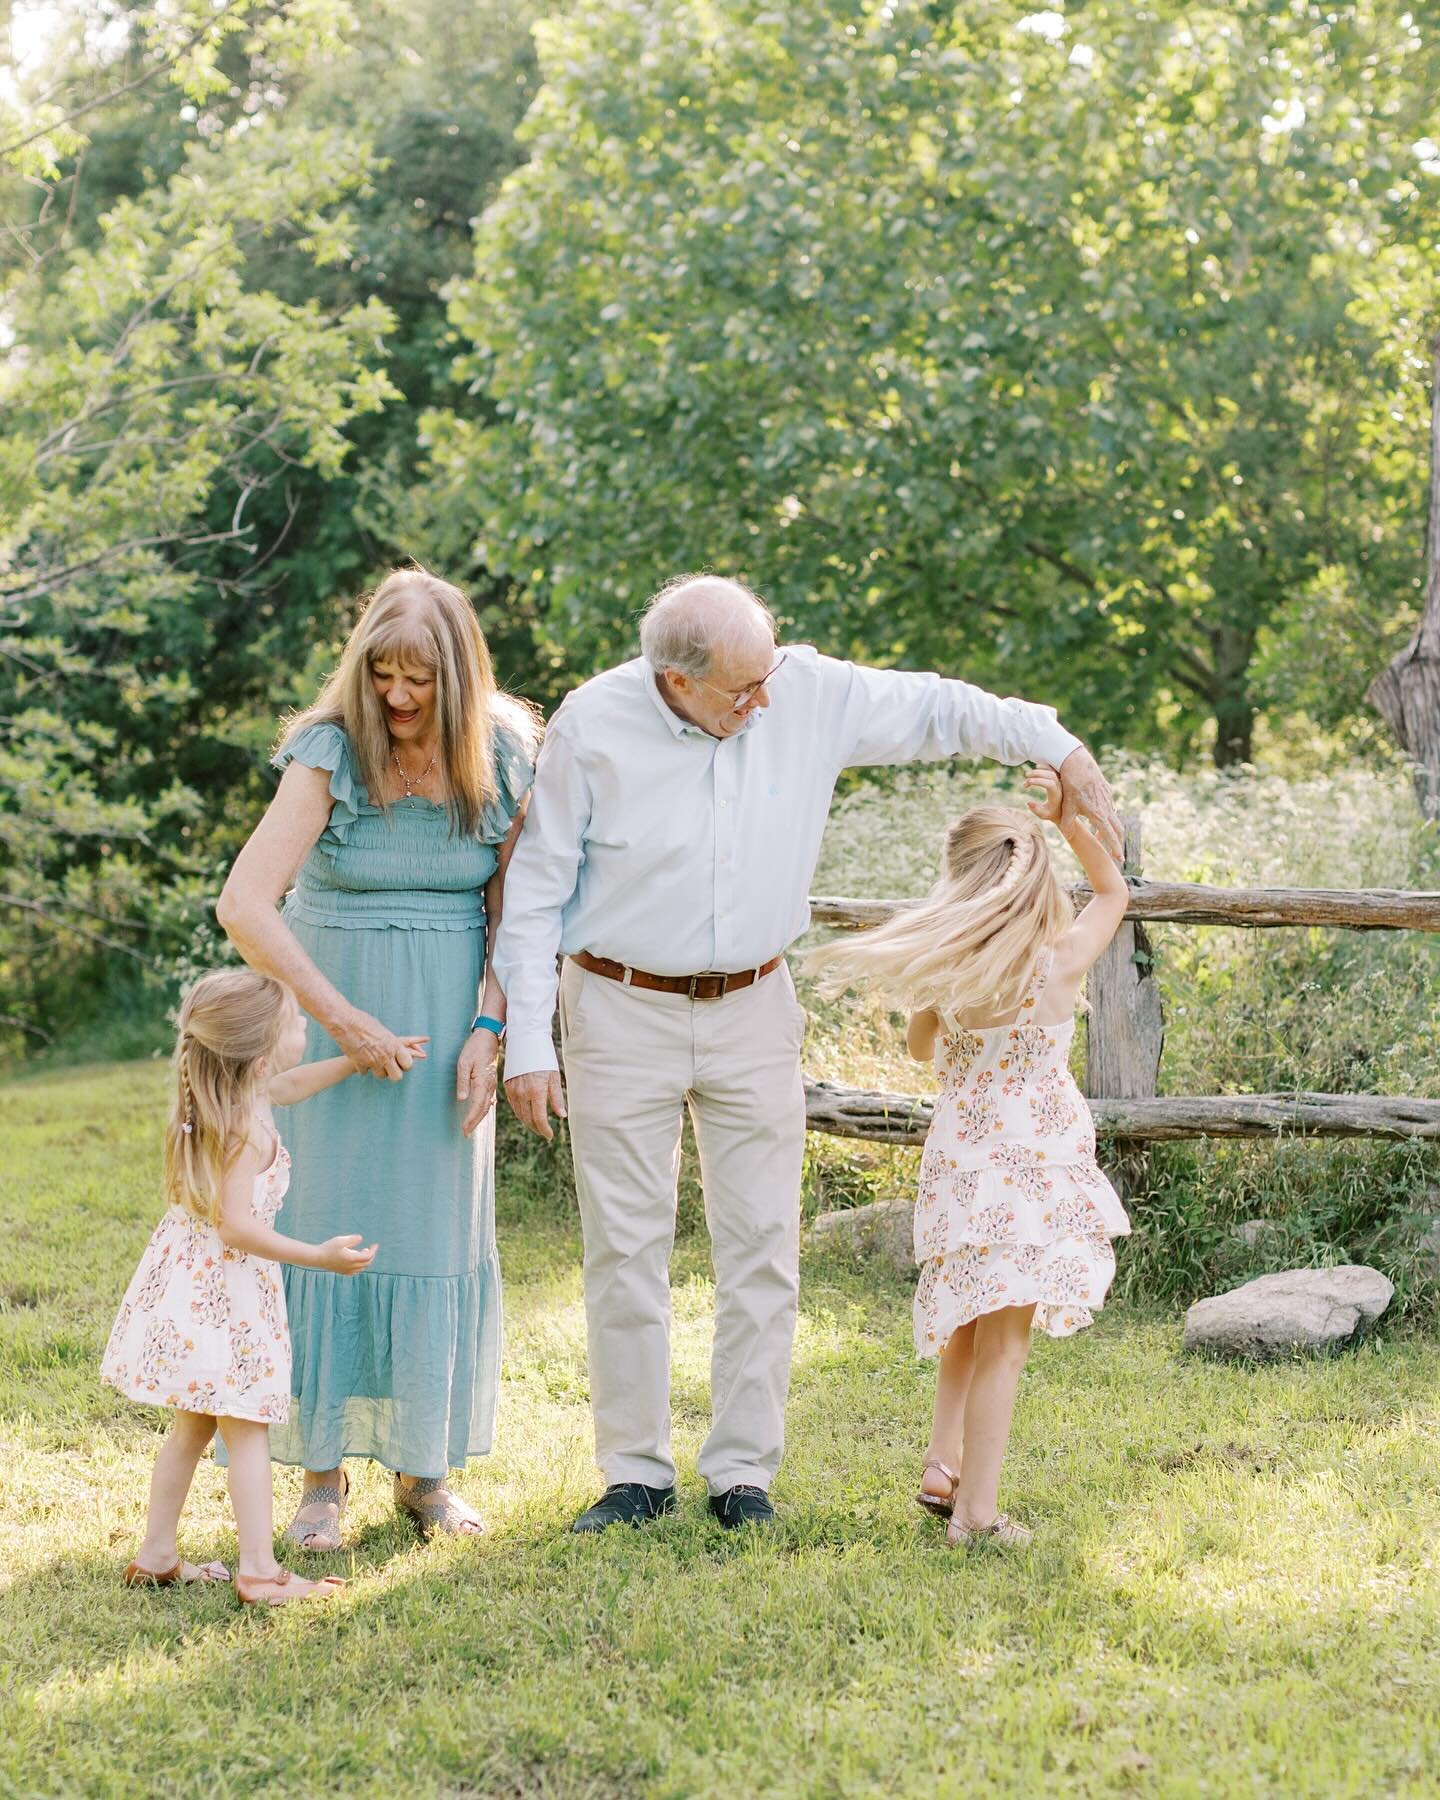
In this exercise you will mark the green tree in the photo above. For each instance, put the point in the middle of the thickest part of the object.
(1064, 350)
(343, 157)
(150, 392)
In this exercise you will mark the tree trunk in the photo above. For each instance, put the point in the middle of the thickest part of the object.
(1232, 649)
(1407, 694)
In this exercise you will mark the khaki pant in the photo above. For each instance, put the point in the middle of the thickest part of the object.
(633, 1061)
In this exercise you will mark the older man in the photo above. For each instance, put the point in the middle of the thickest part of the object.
(677, 814)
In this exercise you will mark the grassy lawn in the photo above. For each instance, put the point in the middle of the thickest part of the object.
(1233, 1588)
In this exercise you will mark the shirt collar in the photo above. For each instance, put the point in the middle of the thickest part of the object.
(682, 727)
(678, 727)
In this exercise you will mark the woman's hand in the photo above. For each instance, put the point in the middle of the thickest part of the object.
(1045, 778)
(375, 1050)
(340, 1256)
(475, 1078)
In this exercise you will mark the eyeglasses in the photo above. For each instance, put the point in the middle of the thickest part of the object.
(738, 702)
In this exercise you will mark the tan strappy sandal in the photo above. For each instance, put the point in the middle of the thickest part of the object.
(277, 1589)
(430, 1504)
(1002, 1530)
(301, 1535)
(942, 1505)
(201, 1575)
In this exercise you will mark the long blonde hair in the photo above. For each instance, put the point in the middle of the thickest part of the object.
(971, 943)
(416, 618)
(229, 1020)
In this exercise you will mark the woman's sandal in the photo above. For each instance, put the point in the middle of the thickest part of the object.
(302, 1533)
(199, 1575)
(942, 1505)
(1002, 1530)
(429, 1502)
(275, 1590)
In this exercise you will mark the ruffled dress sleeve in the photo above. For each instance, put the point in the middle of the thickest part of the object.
(325, 746)
(514, 776)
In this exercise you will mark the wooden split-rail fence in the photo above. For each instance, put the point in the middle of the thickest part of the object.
(1126, 1029)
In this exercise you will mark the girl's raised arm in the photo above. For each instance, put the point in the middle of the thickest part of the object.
(1097, 922)
(306, 1079)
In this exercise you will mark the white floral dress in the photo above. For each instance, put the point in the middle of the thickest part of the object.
(203, 1328)
(1013, 1209)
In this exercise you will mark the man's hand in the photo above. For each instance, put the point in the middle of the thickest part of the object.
(531, 1095)
(1085, 793)
(475, 1078)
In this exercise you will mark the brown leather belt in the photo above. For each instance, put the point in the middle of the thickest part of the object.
(709, 986)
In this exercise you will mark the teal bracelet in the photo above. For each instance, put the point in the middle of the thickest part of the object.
(482, 1023)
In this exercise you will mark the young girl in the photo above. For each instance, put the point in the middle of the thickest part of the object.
(1014, 1218)
(202, 1327)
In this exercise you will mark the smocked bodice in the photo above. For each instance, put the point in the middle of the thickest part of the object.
(405, 866)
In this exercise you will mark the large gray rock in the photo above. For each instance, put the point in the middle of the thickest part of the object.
(1300, 1309)
(883, 1230)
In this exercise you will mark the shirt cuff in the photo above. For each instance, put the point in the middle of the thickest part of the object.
(528, 1051)
(1053, 743)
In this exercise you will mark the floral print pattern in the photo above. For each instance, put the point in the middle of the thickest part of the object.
(203, 1328)
(1013, 1209)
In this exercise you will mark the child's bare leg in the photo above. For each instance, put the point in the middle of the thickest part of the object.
(174, 1470)
(952, 1385)
(1002, 1342)
(247, 1444)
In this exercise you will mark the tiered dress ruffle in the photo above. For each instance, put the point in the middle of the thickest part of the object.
(1013, 1208)
(400, 1364)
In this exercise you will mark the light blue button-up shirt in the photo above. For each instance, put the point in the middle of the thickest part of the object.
(655, 844)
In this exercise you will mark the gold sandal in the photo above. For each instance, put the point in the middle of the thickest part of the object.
(203, 1575)
(942, 1505)
(430, 1504)
(299, 1533)
(260, 1590)
(1002, 1530)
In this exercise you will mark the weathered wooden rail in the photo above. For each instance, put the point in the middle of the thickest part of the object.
(1190, 903)
(905, 1118)
(1126, 1033)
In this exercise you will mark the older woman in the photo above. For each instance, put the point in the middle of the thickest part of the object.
(403, 792)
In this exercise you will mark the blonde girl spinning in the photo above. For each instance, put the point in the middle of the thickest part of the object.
(1014, 1218)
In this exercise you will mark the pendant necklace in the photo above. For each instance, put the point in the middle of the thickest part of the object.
(410, 784)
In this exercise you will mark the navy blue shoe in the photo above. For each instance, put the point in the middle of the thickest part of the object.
(626, 1503)
(743, 1505)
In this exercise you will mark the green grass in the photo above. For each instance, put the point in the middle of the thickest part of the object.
(1233, 1589)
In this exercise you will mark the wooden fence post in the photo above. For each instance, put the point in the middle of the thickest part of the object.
(1126, 1030)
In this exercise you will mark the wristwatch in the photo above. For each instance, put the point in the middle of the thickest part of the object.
(483, 1023)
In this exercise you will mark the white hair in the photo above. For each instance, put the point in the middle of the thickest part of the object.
(696, 618)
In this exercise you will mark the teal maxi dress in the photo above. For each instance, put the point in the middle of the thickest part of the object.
(400, 1364)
